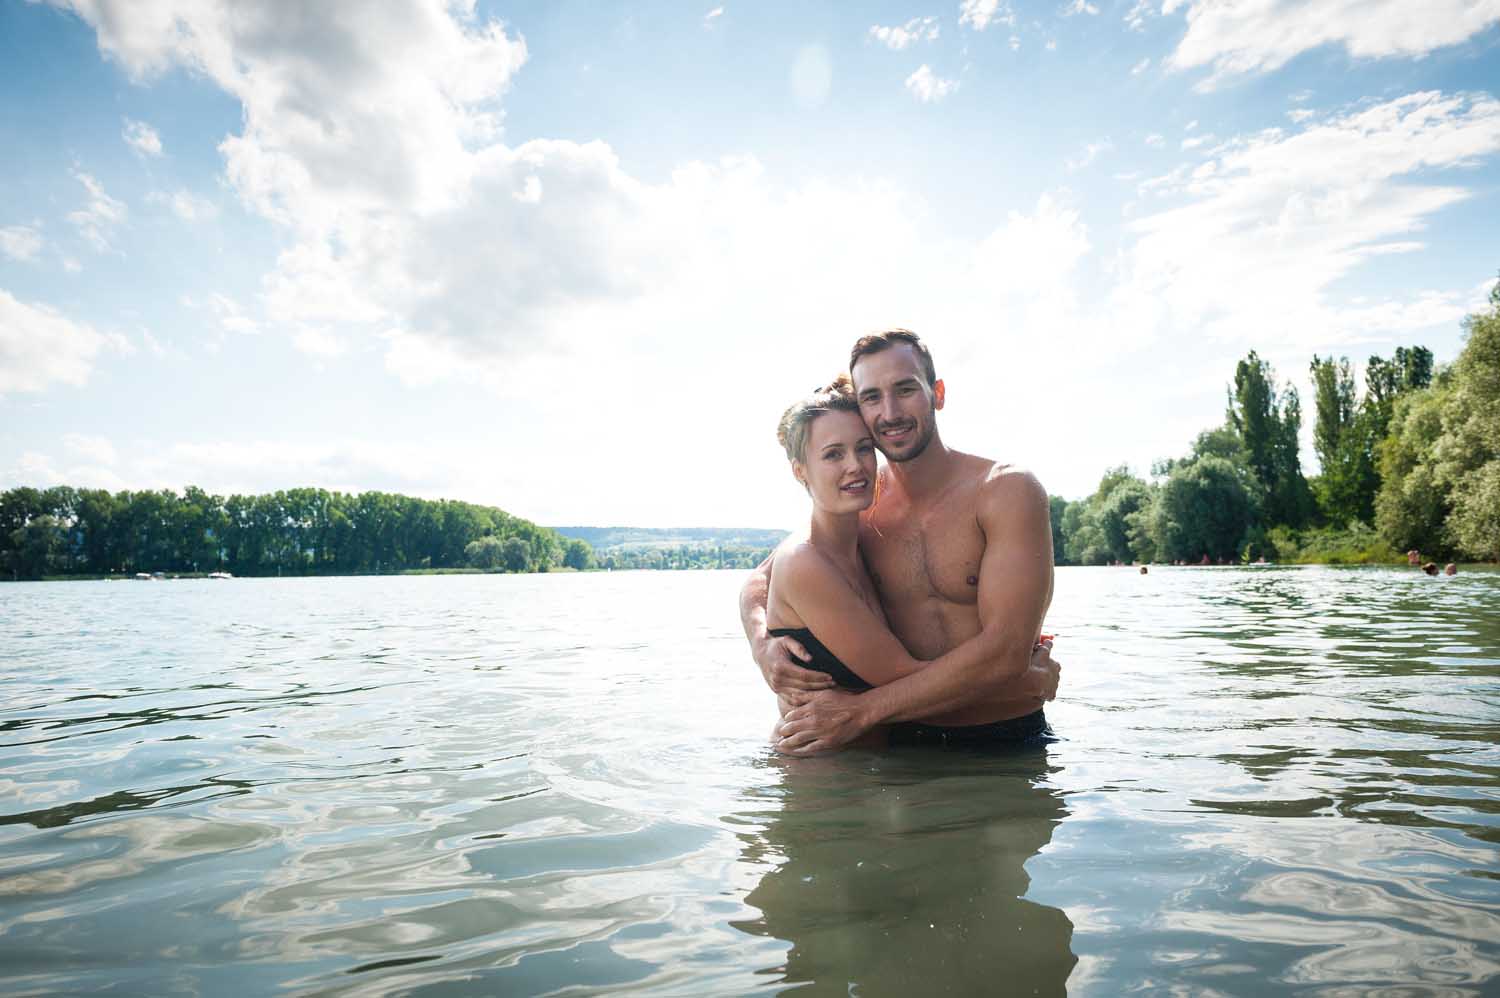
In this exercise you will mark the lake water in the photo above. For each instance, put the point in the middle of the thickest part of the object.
(1269, 781)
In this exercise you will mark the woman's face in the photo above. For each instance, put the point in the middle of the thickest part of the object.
(839, 464)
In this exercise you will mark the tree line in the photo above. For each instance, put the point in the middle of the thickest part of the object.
(308, 531)
(1412, 462)
(682, 556)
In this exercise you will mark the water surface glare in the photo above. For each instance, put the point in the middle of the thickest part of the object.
(1270, 781)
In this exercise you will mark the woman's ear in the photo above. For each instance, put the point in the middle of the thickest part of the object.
(799, 472)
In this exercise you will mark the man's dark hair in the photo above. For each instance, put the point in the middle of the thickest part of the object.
(876, 342)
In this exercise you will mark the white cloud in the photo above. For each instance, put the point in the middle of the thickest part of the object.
(464, 257)
(318, 342)
(97, 220)
(91, 447)
(40, 470)
(1194, 141)
(1090, 152)
(1238, 38)
(20, 242)
(1155, 140)
(142, 138)
(232, 318)
(712, 16)
(980, 14)
(1270, 222)
(1140, 67)
(918, 29)
(1301, 114)
(1136, 16)
(186, 205)
(927, 87)
(1033, 254)
(1079, 7)
(40, 347)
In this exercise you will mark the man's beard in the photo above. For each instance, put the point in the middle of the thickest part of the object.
(917, 448)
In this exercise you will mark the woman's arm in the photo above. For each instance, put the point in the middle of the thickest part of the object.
(811, 588)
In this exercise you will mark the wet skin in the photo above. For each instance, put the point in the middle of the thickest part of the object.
(922, 538)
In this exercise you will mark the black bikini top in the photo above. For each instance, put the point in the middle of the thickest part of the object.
(823, 660)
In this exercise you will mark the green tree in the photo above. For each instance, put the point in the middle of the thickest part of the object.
(1116, 517)
(36, 545)
(1411, 507)
(1204, 508)
(516, 554)
(1344, 439)
(1469, 450)
(486, 552)
(1268, 422)
(578, 555)
(1057, 508)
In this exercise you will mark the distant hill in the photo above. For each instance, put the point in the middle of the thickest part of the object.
(605, 538)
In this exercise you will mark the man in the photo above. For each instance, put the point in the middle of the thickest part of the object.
(960, 549)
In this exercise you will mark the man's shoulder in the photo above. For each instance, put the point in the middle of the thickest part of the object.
(1007, 486)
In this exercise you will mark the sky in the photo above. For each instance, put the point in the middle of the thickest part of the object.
(574, 260)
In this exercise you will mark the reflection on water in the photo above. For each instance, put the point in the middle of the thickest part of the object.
(906, 875)
(1269, 781)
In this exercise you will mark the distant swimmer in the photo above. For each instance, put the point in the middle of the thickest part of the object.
(1414, 557)
(1450, 569)
(1143, 569)
(1430, 568)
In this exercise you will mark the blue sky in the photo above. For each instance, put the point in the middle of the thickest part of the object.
(573, 260)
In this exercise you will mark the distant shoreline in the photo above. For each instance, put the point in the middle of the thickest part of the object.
(1463, 566)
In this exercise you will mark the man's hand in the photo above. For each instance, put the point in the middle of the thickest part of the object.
(1039, 681)
(825, 722)
(780, 660)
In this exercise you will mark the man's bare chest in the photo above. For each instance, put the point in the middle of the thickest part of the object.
(919, 555)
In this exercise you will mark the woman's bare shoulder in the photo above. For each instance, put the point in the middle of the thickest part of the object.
(799, 561)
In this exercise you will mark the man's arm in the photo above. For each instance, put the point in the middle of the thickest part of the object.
(779, 659)
(1015, 588)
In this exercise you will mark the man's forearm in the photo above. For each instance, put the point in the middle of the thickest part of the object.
(753, 597)
(979, 668)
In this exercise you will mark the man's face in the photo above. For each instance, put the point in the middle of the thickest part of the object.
(897, 403)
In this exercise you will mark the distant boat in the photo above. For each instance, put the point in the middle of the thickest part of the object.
(220, 575)
(143, 576)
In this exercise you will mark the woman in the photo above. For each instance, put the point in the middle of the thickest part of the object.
(820, 590)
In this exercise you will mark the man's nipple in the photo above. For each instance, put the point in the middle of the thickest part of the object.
(973, 580)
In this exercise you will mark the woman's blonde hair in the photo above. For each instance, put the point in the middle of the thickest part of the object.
(791, 433)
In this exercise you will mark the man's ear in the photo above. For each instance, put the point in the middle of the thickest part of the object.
(939, 391)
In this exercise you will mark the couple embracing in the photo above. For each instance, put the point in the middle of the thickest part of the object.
(910, 611)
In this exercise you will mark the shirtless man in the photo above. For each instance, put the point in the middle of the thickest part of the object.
(960, 549)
